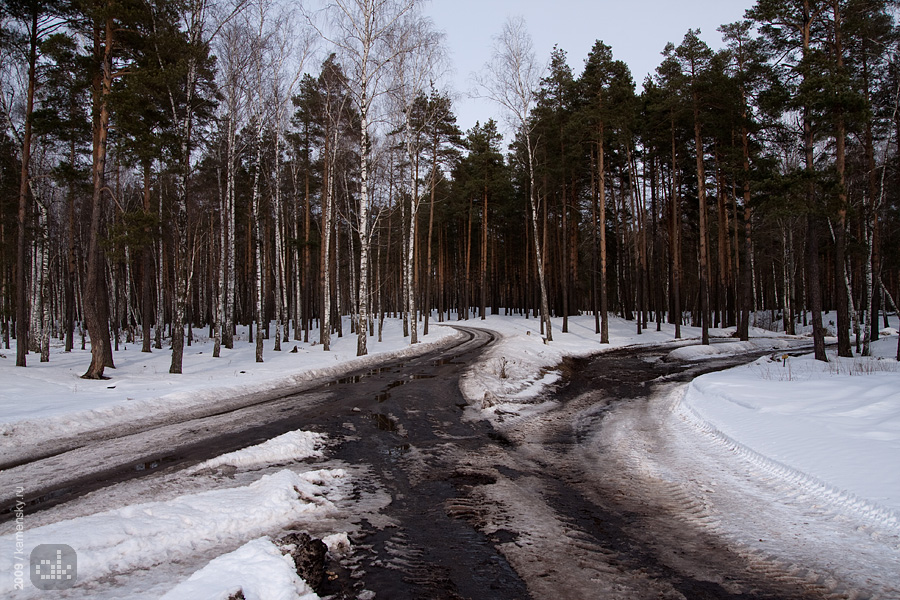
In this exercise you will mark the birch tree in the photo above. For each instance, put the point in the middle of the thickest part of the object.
(369, 38)
(233, 60)
(511, 79)
(414, 69)
(291, 45)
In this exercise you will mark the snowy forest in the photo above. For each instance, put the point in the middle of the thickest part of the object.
(172, 165)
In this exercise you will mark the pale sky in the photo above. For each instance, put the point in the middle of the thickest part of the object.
(637, 31)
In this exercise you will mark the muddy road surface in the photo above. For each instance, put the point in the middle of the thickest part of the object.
(558, 504)
(533, 508)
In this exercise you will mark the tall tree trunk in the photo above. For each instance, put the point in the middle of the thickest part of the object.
(484, 253)
(429, 270)
(183, 251)
(601, 212)
(467, 295)
(307, 259)
(704, 251)
(147, 268)
(257, 232)
(325, 267)
(411, 243)
(24, 184)
(843, 314)
(364, 240)
(722, 249)
(96, 301)
(675, 240)
(595, 301)
(280, 304)
(229, 298)
(538, 254)
(747, 275)
(72, 270)
(564, 257)
(42, 282)
(870, 211)
(814, 286)
(219, 317)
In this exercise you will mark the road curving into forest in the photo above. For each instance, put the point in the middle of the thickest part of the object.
(560, 504)
(61, 470)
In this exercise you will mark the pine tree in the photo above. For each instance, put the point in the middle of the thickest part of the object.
(791, 28)
(608, 91)
(694, 57)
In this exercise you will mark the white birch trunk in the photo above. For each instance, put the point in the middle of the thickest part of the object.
(870, 285)
(279, 251)
(43, 283)
(411, 243)
(325, 317)
(295, 253)
(229, 250)
(257, 244)
(362, 328)
(545, 308)
(220, 287)
(34, 292)
(160, 282)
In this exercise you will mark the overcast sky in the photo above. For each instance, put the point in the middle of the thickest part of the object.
(637, 31)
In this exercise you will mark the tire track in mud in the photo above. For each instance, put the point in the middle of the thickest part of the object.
(590, 520)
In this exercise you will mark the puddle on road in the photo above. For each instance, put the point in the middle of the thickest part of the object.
(357, 378)
(153, 464)
(385, 394)
(38, 500)
(384, 422)
(445, 361)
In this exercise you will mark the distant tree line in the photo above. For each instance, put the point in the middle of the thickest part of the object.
(170, 165)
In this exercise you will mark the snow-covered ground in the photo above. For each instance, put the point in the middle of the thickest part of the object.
(44, 401)
(834, 429)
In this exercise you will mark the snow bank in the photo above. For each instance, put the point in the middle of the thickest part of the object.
(289, 447)
(150, 534)
(700, 352)
(258, 569)
(47, 401)
(833, 428)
